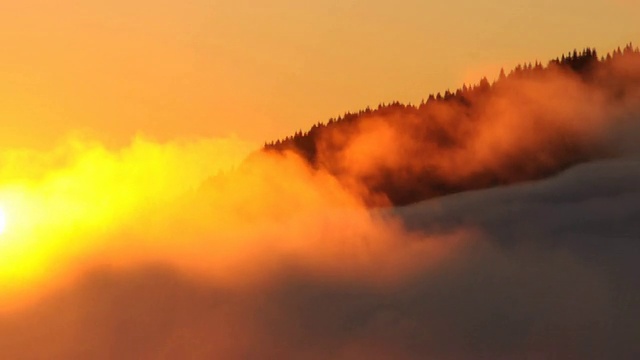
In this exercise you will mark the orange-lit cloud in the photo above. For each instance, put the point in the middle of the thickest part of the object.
(520, 286)
(59, 204)
(194, 205)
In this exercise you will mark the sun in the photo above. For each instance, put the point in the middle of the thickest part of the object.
(3, 221)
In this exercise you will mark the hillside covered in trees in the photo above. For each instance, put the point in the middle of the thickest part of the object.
(532, 122)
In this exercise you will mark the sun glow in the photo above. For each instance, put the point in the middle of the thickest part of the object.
(58, 207)
(3, 221)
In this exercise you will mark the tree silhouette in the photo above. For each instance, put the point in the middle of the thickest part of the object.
(435, 131)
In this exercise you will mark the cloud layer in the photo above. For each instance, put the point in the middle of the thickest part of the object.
(544, 270)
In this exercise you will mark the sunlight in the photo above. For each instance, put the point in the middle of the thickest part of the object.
(3, 221)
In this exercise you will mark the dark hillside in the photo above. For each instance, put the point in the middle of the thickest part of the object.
(532, 122)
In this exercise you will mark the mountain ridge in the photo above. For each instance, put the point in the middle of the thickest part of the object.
(397, 154)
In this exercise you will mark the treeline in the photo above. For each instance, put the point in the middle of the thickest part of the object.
(448, 123)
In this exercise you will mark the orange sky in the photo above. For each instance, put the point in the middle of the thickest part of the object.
(258, 69)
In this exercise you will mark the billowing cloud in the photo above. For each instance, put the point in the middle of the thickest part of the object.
(546, 270)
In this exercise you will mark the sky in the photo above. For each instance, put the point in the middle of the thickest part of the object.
(111, 70)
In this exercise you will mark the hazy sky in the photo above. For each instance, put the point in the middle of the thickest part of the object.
(263, 69)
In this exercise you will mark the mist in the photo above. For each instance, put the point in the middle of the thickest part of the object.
(212, 248)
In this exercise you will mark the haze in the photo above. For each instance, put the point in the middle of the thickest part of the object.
(167, 69)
